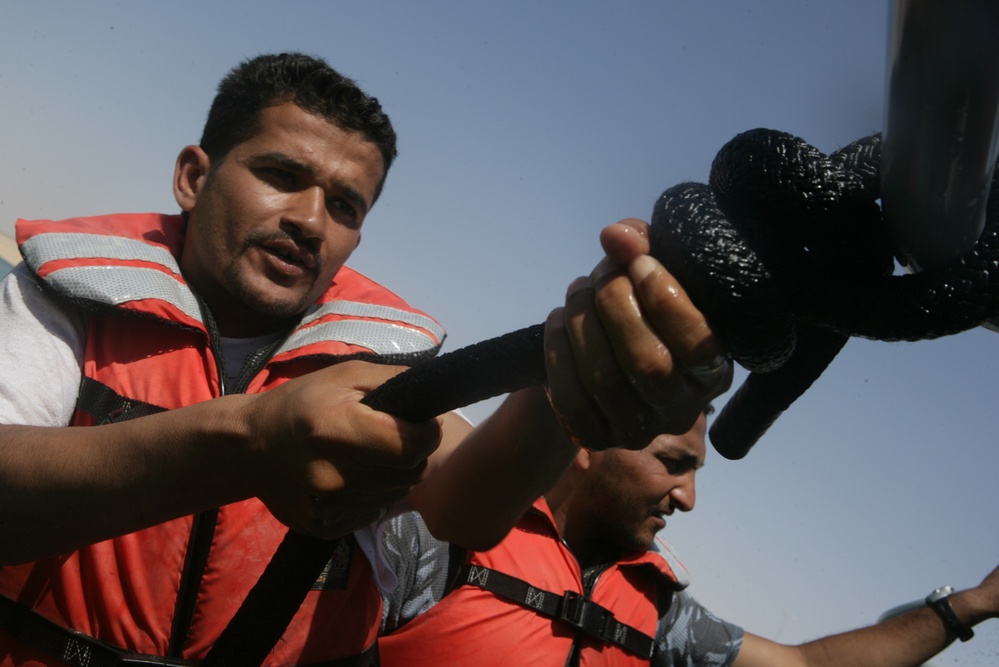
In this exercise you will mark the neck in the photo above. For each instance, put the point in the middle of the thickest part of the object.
(589, 549)
(235, 322)
(596, 553)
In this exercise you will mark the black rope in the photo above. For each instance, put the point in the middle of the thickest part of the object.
(787, 254)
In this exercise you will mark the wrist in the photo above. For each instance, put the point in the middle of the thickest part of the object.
(228, 432)
(952, 608)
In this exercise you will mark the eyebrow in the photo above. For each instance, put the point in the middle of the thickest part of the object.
(349, 192)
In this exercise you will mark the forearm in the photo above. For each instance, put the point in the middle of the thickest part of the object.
(476, 490)
(910, 639)
(907, 640)
(62, 488)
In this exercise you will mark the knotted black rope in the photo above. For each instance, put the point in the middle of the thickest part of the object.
(786, 254)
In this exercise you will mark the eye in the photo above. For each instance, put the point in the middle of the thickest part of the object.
(344, 207)
(677, 466)
(281, 178)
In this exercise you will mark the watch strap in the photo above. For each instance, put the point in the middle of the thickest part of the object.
(941, 605)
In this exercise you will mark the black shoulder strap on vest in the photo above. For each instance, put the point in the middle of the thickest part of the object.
(571, 608)
(80, 650)
(107, 406)
(69, 646)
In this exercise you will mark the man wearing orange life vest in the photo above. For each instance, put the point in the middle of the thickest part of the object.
(217, 358)
(581, 580)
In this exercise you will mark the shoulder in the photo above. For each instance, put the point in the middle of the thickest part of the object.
(421, 564)
(663, 553)
(689, 634)
(26, 302)
(406, 543)
(41, 352)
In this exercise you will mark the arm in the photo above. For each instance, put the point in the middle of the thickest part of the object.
(321, 461)
(310, 437)
(480, 481)
(325, 464)
(904, 641)
(618, 355)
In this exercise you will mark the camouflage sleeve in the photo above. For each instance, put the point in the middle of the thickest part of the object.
(420, 563)
(691, 636)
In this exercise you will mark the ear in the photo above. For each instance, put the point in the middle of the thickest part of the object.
(583, 459)
(189, 176)
(357, 242)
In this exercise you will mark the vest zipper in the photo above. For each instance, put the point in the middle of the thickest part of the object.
(203, 528)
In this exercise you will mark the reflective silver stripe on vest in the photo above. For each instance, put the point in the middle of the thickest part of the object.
(115, 285)
(383, 338)
(71, 245)
(358, 309)
(111, 285)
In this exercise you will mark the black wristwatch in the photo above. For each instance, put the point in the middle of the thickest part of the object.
(940, 603)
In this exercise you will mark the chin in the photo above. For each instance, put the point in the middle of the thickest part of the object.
(645, 545)
(262, 295)
(638, 543)
(275, 306)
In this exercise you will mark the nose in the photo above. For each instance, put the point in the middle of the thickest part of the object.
(684, 495)
(307, 213)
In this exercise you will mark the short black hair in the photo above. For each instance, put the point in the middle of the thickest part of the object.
(307, 81)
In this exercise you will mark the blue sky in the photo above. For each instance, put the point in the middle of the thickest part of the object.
(524, 128)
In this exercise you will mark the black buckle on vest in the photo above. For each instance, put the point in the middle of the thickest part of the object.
(585, 615)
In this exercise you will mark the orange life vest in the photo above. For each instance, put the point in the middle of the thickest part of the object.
(175, 586)
(525, 603)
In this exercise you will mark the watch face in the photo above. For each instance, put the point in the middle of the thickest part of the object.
(941, 592)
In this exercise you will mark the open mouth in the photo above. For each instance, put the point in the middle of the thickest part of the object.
(291, 254)
(286, 256)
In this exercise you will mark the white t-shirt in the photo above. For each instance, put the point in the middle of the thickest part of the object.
(42, 341)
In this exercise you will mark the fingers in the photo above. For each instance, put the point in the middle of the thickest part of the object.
(597, 391)
(625, 240)
(327, 419)
(336, 515)
(341, 498)
(571, 400)
(697, 364)
(326, 477)
(629, 356)
(333, 516)
(328, 462)
(387, 441)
